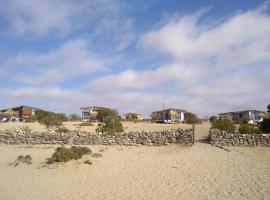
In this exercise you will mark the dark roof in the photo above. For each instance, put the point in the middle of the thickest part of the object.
(16, 108)
(240, 112)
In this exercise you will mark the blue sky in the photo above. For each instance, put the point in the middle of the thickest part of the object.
(203, 56)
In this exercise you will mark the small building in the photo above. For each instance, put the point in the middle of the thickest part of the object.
(133, 117)
(89, 113)
(170, 115)
(19, 113)
(246, 116)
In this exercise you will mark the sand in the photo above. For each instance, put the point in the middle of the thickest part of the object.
(167, 172)
(128, 126)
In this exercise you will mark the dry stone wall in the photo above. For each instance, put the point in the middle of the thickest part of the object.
(223, 138)
(85, 138)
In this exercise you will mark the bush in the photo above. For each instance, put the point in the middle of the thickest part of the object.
(192, 119)
(25, 129)
(110, 125)
(224, 125)
(63, 154)
(212, 118)
(265, 125)
(52, 120)
(110, 121)
(249, 129)
(62, 130)
(86, 124)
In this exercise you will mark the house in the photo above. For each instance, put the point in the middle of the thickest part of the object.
(19, 113)
(133, 117)
(170, 115)
(89, 113)
(248, 116)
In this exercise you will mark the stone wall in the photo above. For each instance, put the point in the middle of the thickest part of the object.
(85, 138)
(223, 138)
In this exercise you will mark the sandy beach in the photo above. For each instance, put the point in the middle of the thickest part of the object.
(167, 172)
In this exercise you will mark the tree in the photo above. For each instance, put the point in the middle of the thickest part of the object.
(110, 121)
(268, 108)
(106, 113)
(212, 118)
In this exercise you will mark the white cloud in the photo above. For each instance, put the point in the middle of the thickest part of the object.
(132, 79)
(70, 60)
(241, 39)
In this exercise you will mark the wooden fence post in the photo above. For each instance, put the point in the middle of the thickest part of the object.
(193, 133)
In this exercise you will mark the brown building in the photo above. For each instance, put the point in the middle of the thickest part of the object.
(19, 113)
(133, 117)
(246, 116)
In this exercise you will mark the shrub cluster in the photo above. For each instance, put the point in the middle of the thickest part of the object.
(224, 125)
(110, 121)
(49, 119)
(63, 154)
(62, 129)
(249, 129)
(87, 124)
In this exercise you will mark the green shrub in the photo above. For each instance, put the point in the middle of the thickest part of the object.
(212, 118)
(52, 120)
(62, 130)
(63, 154)
(265, 125)
(110, 121)
(25, 129)
(110, 125)
(249, 129)
(86, 124)
(224, 125)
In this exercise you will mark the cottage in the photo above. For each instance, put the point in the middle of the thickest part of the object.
(170, 115)
(19, 113)
(248, 116)
(89, 113)
(133, 117)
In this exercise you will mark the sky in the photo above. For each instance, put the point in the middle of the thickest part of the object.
(202, 56)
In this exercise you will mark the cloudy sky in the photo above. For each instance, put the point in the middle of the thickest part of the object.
(202, 56)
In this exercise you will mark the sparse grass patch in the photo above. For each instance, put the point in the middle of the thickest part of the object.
(88, 162)
(96, 155)
(86, 124)
(22, 159)
(25, 129)
(63, 154)
(62, 129)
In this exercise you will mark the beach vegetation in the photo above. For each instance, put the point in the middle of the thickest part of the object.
(249, 129)
(224, 125)
(63, 154)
